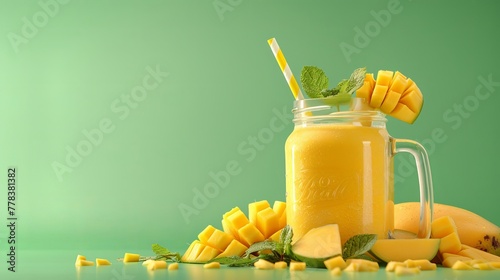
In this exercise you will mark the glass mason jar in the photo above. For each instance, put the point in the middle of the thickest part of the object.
(339, 170)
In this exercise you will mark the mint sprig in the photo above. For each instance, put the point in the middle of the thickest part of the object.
(357, 246)
(315, 82)
(163, 253)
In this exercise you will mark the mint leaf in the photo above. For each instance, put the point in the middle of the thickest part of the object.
(314, 81)
(286, 240)
(263, 245)
(358, 245)
(355, 81)
(163, 253)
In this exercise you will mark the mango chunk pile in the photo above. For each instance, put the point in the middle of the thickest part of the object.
(459, 256)
(394, 94)
(238, 232)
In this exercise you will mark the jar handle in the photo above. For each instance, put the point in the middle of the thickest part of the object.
(424, 181)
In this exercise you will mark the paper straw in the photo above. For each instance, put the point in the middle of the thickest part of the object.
(290, 79)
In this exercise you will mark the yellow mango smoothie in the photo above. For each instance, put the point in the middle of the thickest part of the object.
(340, 173)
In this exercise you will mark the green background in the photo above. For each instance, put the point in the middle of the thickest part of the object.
(67, 66)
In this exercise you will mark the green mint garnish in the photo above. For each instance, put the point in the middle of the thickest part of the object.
(358, 245)
(315, 82)
(163, 253)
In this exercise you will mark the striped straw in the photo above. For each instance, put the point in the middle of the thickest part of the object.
(290, 79)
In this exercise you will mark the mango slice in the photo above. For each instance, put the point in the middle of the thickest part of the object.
(317, 245)
(100, 262)
(235, 248)
(263, 264)
(402, 249)
(129, 257)
(298, 266)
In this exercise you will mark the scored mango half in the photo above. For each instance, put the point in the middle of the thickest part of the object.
(392, 93)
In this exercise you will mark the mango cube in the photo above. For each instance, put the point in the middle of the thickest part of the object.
(235, 248)
(212, 265)
(334, 262)
(391, 266)
(155, 265)
(100, 262)
(84, 263)
(173, 266)
(442, 227)
(129, 257)
(299, 266)
(450, 243)
(460, 265)
(280, 265)
(206, 233)
(263, 264)
(279, 208)
(256, 207)
(422, 264)
(401, 271)
(249, 234)
(267, 222)
(207, 254)
(219, 240)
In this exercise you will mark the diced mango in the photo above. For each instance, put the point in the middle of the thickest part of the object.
(78, 258)
(279, 208)
(335, 262)
(155, 265)
(226, 225)
(84, 263)
(297, 266)
(460, 265)
(147, 262)
(450, 243)
(237, 220)
(212, 265)
(494, 264)
(401, 271)
(482, 254)
(129, 257)
(249, 234)
(207, 254)
(263, 264)
(186, 254)
(422, 264)
(378, 96)
(195, 252)
(483, 266)
(384, 77)
(336, 271)
(365, 265)
(267, 222)
(100, 262)
(391, 266)
(256, 207)
(451, 260)
(173, 266)
(219, 240)
(402, 112)
(366, 89)
(280, 265)
(442, 227)
(235, 248)
(205, 234)
(390, 102)
(276, 236)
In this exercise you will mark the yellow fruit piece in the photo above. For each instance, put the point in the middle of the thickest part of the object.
(401, 271)
(100, 262)
(481, 254)
(442, 227)
(450, 244)
(390, 102)
(473, 230)
(494, 264)
(336, 271)
(155, 265)
(267, 222)
(364, 265)
(402, 112)
(280, 265)
(256, 207)
(391, 266)
(195, 252)
(207, 254)
(186, 254)
(276, 236)
(398, 83)
(129, 257)
(219, 240)
(460, 265)
(413, 100)
(263, 264)
(212, 265)
(335, 262)
(147, 262)
(384, 78)
(205, 234)
(482, 266)
(226, 225)
(84, 263)
(378, 95)
(297, 266)
(249, 234)
(422, 264)
(237, 220)
(78, 258)
(450, 259)
(402, 249)
(279, 208)
(365, 91)
(173, 266)
(235, 248)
